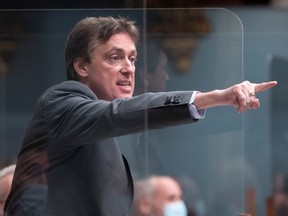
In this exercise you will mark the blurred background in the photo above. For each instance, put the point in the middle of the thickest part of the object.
(234, 162)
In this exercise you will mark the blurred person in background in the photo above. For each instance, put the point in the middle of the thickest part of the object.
(6, 176)
(158, 196)
(280, 195)
(196, 206)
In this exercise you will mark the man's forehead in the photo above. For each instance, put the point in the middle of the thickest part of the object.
(121, 49)
(120, 42)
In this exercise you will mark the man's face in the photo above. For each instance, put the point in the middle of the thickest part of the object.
(168, 191)
(111, 73)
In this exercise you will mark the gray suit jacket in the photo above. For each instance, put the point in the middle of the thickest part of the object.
(69, 164)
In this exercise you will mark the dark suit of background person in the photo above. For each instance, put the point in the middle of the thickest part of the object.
(69, 164)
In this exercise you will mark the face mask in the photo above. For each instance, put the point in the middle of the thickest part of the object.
(175, 209)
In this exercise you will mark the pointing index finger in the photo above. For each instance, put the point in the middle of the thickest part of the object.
(259, 87)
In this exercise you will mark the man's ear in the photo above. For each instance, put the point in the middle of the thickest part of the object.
(80, 67)
(145, 206)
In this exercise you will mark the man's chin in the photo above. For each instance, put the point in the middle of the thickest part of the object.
(124, 96)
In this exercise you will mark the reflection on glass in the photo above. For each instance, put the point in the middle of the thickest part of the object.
(179, 50)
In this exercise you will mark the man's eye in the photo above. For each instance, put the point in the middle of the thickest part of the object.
(133, 59)
(114, 58)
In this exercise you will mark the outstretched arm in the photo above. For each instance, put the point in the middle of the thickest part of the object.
(242, 96)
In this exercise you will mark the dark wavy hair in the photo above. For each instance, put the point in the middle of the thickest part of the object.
(90, 32)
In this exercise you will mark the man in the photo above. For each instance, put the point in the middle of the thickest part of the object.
(75, 122)
(6, 176)
(158, 196)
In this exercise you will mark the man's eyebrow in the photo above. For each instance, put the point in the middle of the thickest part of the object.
(118, 49)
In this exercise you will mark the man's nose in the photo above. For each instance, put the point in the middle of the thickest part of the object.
(127, 66)
(129, 62)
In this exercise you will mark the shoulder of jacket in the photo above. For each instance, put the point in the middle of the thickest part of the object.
(70, 87)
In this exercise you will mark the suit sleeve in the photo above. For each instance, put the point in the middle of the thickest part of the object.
(75, 116)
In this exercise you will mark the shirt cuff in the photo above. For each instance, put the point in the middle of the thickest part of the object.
(195, 114)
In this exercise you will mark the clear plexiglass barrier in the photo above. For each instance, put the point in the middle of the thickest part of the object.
(179, 49)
